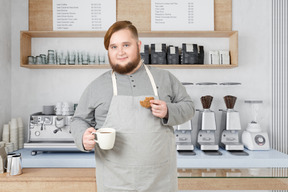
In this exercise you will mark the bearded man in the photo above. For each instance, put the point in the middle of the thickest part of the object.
(143, 158)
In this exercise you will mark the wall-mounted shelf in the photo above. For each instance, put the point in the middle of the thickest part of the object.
(26, 45)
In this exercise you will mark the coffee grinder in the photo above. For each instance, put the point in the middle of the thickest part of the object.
(183, 135)
(230, 126)
(254, 138)
(206, 140)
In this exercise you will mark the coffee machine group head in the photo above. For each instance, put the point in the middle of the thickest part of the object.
(230, 126)
(206, 140)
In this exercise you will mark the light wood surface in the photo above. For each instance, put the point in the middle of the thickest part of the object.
(83, 179)
(232, 184)
(107, 66)
(137, 11)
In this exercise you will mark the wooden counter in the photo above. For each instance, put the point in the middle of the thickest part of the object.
(50, 179)
(83, 179)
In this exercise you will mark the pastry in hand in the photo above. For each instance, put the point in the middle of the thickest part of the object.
(146, 102)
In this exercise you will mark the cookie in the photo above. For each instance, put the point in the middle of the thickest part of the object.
(146, 103)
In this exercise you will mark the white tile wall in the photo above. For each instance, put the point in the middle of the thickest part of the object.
(5, 63)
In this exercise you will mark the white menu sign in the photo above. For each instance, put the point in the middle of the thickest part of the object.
(183, 15)
(87, 15)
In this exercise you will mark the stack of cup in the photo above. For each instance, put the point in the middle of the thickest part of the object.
(20, 133)
(58, 108)
(6, 133)
(9, 147)
(67, 108)
(64, 108)
(51, 57)
(14, 133)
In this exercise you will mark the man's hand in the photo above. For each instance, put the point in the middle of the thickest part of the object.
(88, 139)
(159, 108)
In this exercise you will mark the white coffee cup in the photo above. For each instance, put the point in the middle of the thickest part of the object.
(58, 108)
(105, 137)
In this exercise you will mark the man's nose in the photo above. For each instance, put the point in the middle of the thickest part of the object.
(121, 50)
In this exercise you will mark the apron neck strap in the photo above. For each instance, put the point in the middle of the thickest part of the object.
(115, 92)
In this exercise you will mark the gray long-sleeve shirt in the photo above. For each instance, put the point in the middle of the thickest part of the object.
(95, 101)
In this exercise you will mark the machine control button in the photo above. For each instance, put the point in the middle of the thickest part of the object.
(37, 133)
(260, 140)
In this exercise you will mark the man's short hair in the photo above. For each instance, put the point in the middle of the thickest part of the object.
(117, 26)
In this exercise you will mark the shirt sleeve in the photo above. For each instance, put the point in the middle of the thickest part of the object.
(82, 119)
(181, 108)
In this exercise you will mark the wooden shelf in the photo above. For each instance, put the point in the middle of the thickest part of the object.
(69, 34)
(107, 66)
(26, 45)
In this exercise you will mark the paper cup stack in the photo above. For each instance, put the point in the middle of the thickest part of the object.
(14, 133)
(9, 147)
(67, 108)
(6, 133)
(20, 133)
(64, 108)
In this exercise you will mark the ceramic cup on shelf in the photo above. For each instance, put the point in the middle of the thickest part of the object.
(67, 108)
(31, 60)
(43, 58)
(38, 60)
(58, 108)
(71, 57)
(48, 109)
(61, 57)
(101, 58)
(85, 58)
(51, 57)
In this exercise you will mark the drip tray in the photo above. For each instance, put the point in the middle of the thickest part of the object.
(212, 152)
(239, 153)
(186, 152)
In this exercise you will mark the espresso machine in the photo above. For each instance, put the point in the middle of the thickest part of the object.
(49, 133)
(183, 135)
(230, 127)
(206, 140)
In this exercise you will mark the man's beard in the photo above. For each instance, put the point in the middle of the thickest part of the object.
(129, 67)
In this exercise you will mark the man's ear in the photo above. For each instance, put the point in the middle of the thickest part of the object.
(139, 44)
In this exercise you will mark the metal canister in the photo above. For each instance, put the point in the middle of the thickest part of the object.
(16, 165)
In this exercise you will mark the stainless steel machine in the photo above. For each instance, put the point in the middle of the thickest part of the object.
(206, 140)
(230, 126)
(49, 133)
(254, 138)
(183, 134)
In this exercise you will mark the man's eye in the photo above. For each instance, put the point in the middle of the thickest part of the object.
(126, 45)
(113, 47)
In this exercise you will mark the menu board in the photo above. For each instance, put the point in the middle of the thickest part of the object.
(87, 15)
(183, 15)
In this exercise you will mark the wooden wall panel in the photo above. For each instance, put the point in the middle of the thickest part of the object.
(223, 15)
(137, 11)
(40, 15)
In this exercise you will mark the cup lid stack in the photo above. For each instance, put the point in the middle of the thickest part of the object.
(14, 133)
(6, 133)
(20, 133)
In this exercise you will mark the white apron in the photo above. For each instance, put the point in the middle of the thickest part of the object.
(144, 156)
